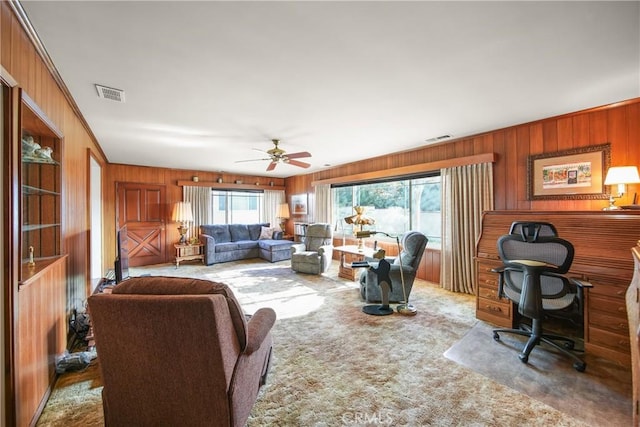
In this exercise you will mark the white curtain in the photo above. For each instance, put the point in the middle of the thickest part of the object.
(271, 200)
(322, 204)
(200, 199)
(467, 191)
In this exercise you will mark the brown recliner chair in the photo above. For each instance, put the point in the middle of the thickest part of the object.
(179, 351)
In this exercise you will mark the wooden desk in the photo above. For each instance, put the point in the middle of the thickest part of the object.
(188, 252)
(602, 241)
(349, 254)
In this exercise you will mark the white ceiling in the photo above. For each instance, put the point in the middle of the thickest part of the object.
(206, 83)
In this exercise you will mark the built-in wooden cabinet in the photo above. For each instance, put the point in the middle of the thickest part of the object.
(602, 240)
(39, 325)
(40, 190)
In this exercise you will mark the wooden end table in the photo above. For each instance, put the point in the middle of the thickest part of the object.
(189, 252)
(348, 255)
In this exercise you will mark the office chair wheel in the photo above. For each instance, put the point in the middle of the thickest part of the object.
(524, 358)
(496, 337)
(579, 366)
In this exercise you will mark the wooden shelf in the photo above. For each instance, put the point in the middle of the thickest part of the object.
(229, 185)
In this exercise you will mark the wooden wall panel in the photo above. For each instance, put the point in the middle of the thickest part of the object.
(618, 124)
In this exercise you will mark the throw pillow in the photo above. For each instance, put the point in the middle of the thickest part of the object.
(266, 233)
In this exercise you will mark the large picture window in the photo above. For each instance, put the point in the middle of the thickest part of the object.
(236, 207)
(396, 206)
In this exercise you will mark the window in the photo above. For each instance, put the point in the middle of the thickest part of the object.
(397, 206)
(236, 207)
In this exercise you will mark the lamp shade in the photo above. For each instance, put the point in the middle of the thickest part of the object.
(182, 212)
(622, 175)
(283, 211)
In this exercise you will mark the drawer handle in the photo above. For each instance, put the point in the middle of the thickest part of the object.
(492, 308)
(621, 309)
(490, 282)
(619, 293)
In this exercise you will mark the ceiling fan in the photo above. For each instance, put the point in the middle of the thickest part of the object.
(278, 155)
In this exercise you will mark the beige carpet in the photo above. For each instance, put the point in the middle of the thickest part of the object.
(334, 365)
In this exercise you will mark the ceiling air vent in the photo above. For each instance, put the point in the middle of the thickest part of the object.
(110, 93)
(438, 138)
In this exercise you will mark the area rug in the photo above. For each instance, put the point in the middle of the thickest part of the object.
(337, 366)
(600, 396)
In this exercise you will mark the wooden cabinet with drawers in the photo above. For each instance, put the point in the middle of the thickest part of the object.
(488, 306)
(602, 241)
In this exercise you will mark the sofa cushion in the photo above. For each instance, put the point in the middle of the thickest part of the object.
(254, 230)
(239, 232)
(220, 232)
(275, 245)
(246, 244)
(266, 233)
(227, 247)
(160, 285)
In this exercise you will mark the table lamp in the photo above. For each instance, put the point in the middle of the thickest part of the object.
(620, 175)
(182, 214)
(283, 214)
(360, 220)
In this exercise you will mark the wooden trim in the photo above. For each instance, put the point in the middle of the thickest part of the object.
(411, 170)
(228, 185)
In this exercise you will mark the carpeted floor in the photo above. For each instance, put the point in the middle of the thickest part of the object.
(334, 365)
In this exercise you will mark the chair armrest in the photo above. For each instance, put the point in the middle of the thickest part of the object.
(277, 235)
(258, 328)
(500, 271)
(297, 247)
(581, 283)
(325, 248)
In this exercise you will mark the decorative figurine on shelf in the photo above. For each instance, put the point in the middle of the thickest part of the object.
(29, 146)
(44, 153)
(31, 263)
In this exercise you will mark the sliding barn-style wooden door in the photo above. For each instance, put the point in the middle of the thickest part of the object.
(141, 207)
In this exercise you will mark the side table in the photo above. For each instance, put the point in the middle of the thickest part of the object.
(348, 255)
(188, 252)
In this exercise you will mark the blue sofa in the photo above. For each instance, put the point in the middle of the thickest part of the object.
(232, 242)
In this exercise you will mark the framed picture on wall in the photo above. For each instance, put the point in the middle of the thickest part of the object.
(299, 204)
(572, 174)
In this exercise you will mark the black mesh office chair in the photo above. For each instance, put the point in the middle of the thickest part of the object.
(535, 261)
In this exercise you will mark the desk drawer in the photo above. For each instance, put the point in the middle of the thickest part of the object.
(493, 307)
(614, 291)
(615, 324)
(612, 306)
(611, 340)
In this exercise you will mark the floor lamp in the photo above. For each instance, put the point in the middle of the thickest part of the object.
(406, 308)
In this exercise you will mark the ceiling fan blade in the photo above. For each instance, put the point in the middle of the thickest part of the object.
(298, 163)
(299, 155)
(271, 166)
(252, 160)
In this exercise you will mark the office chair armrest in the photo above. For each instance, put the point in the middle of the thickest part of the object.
(500, 271)
(581, 283)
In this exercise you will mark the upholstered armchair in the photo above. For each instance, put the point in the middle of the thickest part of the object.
(179, 351)
(413, 244)
(314, 255)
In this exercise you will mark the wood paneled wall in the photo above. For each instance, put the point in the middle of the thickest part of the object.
(20, 59)
(618, 124)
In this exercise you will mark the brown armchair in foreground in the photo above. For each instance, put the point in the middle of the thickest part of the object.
(179, 351)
